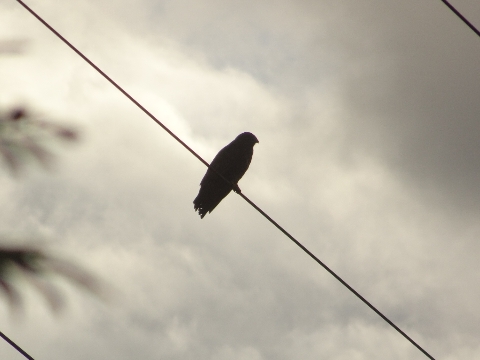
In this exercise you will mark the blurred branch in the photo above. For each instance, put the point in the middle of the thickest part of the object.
(13, 46)
(34, 265)
(23, 137)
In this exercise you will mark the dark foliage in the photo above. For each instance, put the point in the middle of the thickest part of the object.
(24, 138)
(34, 265)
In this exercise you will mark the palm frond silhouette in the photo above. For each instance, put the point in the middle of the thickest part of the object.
(24, 138)
(35, 266)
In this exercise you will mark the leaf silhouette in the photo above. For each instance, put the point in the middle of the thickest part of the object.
(34, 265)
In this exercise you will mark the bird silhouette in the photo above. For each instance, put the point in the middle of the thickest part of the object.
(231, 162)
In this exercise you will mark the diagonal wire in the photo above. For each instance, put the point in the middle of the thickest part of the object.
(343, 282)
(469, 24)
(241, 194)
(112, 82)
(19, 349)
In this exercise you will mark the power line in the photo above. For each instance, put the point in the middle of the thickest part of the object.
(469, 24)
(19, 349)
(241, 194)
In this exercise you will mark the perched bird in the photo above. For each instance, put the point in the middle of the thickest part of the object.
(231, 162)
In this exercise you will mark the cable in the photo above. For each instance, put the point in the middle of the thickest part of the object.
(469, 24)
(19, 349)
(112, 82)
(241, 194)
(343, 282)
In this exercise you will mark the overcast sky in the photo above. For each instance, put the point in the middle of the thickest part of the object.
(368, 117)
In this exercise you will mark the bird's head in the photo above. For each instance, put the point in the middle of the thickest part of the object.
(247, 137)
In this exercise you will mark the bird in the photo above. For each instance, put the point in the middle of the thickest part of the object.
(231, 162)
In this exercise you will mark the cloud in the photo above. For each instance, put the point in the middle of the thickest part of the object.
(364, 113)
(413, 103)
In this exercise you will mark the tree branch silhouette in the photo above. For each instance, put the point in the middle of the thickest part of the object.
(26, 139)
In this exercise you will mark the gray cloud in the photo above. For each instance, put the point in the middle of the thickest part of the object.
(364, 112)
(406, 75)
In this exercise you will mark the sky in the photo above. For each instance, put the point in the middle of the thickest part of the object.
(367, 115)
